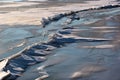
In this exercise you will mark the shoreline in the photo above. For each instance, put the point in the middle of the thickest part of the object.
(32, 17)
(29, 13)
(57, 46)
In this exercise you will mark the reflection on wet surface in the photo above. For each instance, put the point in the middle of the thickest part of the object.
(82, 49)
(84, 60)
(15, 39)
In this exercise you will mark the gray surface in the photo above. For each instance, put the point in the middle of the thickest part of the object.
(73, 57)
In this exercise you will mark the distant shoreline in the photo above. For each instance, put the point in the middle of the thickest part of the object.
(31, 13)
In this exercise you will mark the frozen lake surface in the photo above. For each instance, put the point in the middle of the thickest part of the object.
(85, 60)
(91, 57)
(82, 49)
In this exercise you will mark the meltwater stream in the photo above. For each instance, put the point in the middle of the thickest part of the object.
(82, 49)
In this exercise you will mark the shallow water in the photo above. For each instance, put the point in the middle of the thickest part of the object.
(23, 37)
(16, 38)
(80, 56)
(64, 62)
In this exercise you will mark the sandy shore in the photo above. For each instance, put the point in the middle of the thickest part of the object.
(30, 13)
